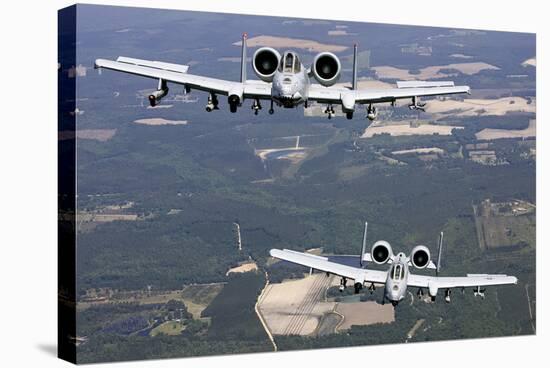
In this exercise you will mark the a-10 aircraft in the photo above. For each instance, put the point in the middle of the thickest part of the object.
(284, 81)
(397, 278)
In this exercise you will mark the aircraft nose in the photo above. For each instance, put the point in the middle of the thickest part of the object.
(394, 292)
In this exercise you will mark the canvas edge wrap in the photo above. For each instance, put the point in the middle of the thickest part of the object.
(66, 174)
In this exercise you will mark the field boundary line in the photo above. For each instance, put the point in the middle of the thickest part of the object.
(258, 312)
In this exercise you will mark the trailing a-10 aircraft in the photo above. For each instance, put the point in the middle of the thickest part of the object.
(397, 278)
(284, 81)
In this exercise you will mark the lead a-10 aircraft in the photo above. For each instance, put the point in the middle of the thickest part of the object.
(398, 277)
(283, 81)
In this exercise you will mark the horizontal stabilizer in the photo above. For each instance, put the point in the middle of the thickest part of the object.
(154, 64)
(367, 257)
(423, 84)
(487, 275)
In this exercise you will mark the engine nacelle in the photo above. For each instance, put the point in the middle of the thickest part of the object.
(265, 62)
(420, 256)
(381, 252)
(155, 97)
(326, 68)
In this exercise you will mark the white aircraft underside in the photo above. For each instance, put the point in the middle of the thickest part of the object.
(284, 81)
(397, 278)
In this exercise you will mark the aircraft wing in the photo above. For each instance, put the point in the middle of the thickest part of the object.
(470, 280)
(176, 73)
(367, 96)
(323, 264)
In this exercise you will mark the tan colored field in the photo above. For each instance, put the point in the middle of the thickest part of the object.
(364, 313)
(478, 146)
(431, 72)
(406, 129)
(195, 297)
(198, 297)
(106, 217)
(101, 135)
(460, 56)
(295, 154)
(245, 267)
(530, 62)
(420, 151)
(484, 157)
(475, 107)
(489, 134)
(296, 43)
(160, 121)
(338, 32)
(296, 307)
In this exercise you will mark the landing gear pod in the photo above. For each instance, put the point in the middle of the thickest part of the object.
(155, 97)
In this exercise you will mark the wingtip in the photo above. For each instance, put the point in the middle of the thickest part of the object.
(98, 63)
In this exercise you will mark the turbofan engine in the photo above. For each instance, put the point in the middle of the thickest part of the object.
(326, 68)
(381, 252)
(420, 256)
(265, 62)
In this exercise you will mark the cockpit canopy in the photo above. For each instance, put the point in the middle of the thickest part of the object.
(397, 272)
(290, 63)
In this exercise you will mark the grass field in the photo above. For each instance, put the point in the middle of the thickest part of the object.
(170, 328)
(499, 229)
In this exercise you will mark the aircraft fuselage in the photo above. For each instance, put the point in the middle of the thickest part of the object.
(396, 281)
(290, 89)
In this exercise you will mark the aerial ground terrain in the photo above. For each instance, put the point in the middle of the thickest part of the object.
(178, 208)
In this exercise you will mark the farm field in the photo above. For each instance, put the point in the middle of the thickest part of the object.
(407, 130)
(364, 314)
(431, 72)
(478, 107)
(287, 42)
(505, 225)
(490, 134)
(296, 307)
